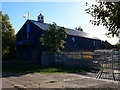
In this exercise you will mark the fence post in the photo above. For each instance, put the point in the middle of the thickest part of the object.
(44, 58)
(47, 58)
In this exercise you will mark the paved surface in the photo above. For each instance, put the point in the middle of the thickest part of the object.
(6, 85)
(37, 80)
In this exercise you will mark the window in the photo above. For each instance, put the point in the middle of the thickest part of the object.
(41, 17)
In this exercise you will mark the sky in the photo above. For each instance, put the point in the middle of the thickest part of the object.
(67, 14)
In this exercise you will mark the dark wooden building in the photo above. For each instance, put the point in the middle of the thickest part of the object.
(28, 39)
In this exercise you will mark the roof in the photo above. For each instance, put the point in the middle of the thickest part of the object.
(73, 32)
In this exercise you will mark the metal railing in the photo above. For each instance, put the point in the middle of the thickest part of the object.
(83, 59)
(107, 61)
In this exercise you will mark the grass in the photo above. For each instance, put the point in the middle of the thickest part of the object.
(38, 68)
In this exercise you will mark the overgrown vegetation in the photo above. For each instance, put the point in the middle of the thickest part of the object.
(8, 36)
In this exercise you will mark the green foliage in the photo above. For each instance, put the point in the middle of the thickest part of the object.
(53, 38)
(8, 36)
(106, 45)
(106, 14)
(117, 45)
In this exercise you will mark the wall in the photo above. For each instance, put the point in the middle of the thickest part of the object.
(75, 43)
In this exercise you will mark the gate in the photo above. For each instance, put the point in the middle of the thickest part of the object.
(109, 61)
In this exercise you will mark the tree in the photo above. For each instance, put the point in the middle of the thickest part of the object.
(117, 46)
(106, 45)
(53, 38)
(106, 14)
(79, 28)
(8, 35)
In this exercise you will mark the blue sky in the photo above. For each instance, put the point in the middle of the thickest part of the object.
(67, 14)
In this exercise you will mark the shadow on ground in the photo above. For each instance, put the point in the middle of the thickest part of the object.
(22, 68)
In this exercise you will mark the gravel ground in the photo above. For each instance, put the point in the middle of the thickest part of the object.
(37, 80)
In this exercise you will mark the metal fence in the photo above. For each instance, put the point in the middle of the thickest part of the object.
(107, 61)
(83, 59)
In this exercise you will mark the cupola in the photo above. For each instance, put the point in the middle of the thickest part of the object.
(41, 18)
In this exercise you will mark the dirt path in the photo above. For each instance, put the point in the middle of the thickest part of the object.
(37, 80)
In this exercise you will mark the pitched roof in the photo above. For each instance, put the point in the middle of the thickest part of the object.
(73, 32)
(41, 15)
